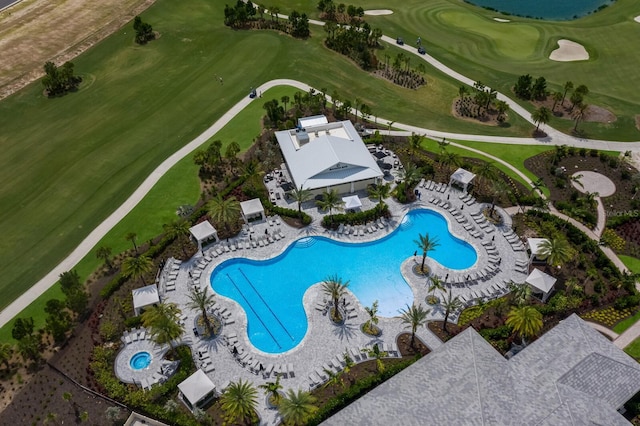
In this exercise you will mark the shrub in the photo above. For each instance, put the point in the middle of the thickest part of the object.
(113, 286)
(282, 211)
(133, 322)
(357, 218)
(625, 302)
(583, 152)
(498, 333)
(593, 152)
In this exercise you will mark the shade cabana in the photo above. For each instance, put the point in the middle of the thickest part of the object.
(462, 177)
(352, 202)
(202, 232)
(252, 210)
(143, 297)
(541, 283)
(534, 247)
(196, 390)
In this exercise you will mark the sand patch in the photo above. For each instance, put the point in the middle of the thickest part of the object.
(569, 51)
(596, 114)
(501, 20)
(637, 19)
(378, 12)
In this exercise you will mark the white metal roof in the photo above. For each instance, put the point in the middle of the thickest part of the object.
(314, 120)
(335, 154)
(463, 176)
(203, 230)
(534, 244)
(352, 202)
(251, 207)
(145, 296)
(196, 386)
(540, 280)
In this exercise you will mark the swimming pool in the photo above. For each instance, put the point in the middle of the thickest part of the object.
(140, 360)
(271, 291)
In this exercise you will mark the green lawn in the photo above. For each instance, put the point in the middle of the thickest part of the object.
(631, 262)
(634, 349)
(623, 325)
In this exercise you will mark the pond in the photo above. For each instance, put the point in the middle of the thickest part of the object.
(551, 10)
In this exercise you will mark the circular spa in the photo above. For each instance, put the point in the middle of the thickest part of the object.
(140, 360)
(271, 291)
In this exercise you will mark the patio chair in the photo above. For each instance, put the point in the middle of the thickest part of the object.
(290, 371)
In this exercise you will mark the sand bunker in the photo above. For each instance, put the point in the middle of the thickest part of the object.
(569, 51)
(378, 12)
(637, 19)
(501, 20)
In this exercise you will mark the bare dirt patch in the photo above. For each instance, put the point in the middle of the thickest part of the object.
(35, 31)
(595, 113)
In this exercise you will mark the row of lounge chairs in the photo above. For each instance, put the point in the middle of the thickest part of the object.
(482, 222)
(321, 374)
(361, 230)
(224, 314)
(430, 185)
(514, 240)
(254, 364)
(467, 199)
(135, 335)
(170, 271)
(203, 361)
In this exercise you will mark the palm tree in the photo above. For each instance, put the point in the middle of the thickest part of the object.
(378, 354)
(463, 91)
(414, 316)
(333, 378)
(380, 192)
(330, 201)
(526, 321)
(415, 140)
(239, 402)
(502, 107)
(201, 300)
(131, 236)
(272, 389)
(300, 196)
(570, 284)
(335, 289)
(104, 253)
(178, 230)
(450, 304)
(296, 408)
(520, 293)
(411, 175)
(579, 114)
(137, 267)
(426, 244)
(541, 115)
(497, 189)
(567, 86)
(371, 327)
(224, 211)
(557, 97)
(556, 251)
(487, 172)
(163, 322)
(448, 160)
(285, 100)
(436, 284)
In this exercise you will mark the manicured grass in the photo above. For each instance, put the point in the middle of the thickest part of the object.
(634, 349)
(68, 162)
(623, 325)
(469, 40)
(630, 262)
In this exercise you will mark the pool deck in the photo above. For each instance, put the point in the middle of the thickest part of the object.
(324, 341)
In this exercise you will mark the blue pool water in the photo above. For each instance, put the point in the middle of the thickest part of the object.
(271, 291)
(140, 360)
(552, 10)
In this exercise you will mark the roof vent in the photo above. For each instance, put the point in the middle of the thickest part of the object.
(302, 137)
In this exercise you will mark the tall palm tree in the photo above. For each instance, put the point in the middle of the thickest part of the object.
(450, 304)
(579, 114)
(487, 172)
(272, 389)
(557, 97)
(526, 321)
(300, 195)
(131, 236)
(414, 316)
(497, 189)
(297, 407)
(330, 201)
(224, 211)
(556, 251)
(567, 86)
(163, 322)
(411, 175)
(463, 91)
(426, 244)
(104, 253)
(239, 402)
(436, 284)
(541, 115)
(371, 324)
(201, 300)
(449, 160)
(380, 192)
(178, 230)
(415, 140)
(378, 354)
(137, 267)
(335, 289)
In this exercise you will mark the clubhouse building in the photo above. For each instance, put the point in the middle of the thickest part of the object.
(321, 156)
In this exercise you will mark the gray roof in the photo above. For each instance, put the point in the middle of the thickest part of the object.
(335, 154)
(251, 207)
(571, 375)
(203, 231)
(463, 176)
(196, 386)
(145, 296)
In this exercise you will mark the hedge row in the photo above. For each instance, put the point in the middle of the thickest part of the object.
(357, 218)
(283, 211)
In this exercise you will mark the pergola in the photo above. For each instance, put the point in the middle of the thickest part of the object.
(352, 202)
(203, 231)
(196, 390)
(252, 209)
(143, 297)
(462, 177)
(534, 247)
(541, 282)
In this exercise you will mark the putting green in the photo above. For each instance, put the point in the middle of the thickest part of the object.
(515, 40)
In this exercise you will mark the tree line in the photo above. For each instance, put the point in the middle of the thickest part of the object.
(243, 15)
